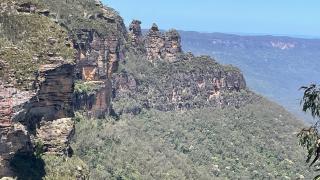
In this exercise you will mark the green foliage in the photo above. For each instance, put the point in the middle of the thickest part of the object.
(78, 117)
(38, 152)
(311, 100)
(126, 105)
(85, 87)
(310, 137)
(142, 68)
(60, 167)
(252, 142)
(48, 167)
(75, 15)
(24, 46)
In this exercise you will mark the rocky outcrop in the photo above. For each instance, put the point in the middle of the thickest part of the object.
(92, 56)
(24, 112)
(154, 43)
(14, 139)
(27, 7)
(14, 136)
(195, 83)
(44, 110)
(54, 136)
(98, 57)
(175, 80)
(172, 45)
(41, 115)
(135, 33)
(165, 46)
(53, 99)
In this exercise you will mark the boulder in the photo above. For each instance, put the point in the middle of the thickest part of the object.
(27, 7)
(54, 136)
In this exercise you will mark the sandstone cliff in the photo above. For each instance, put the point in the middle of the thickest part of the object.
(58, 57)
(194, 83)
(163, 77)
(165, 46)
(42, 56)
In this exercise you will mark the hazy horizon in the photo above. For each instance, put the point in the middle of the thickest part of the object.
(243, 18)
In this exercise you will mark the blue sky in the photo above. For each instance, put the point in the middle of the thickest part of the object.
(277, 17)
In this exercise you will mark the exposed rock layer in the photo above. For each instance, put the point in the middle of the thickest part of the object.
(98, 57)
(54, 136)
(165, 46)
(41, 116)
(170, 87)
(14, 139)
(53, 100)
(96, 103)
(172, 47)
(135, 33)
(154, 43)
(14, 136)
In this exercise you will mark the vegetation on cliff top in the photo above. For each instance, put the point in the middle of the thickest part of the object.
(254, 141)
(85, 14)
(28, 41)
(152, 83)
(140, 67)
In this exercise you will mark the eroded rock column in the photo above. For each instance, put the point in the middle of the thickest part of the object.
(165, 46)
(135, 33)
(172, 47)
(154, 43)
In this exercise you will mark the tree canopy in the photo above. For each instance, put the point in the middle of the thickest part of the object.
(309, 137)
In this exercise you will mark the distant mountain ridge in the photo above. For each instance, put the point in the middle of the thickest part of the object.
(83, 97)
(274, 66)
(265, 40)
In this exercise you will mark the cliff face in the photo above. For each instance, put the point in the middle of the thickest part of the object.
(14, 136)
(98, 55)
(165, 46)
(194, 83)
(93, 97)
(154, 43)
(165, 78)
(14, 139)
(58, 57)
(39, 67)
(53, 99)
(25, 114)
(97, 59)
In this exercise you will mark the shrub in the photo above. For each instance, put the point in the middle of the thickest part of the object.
(85, 88)
(252, 142)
